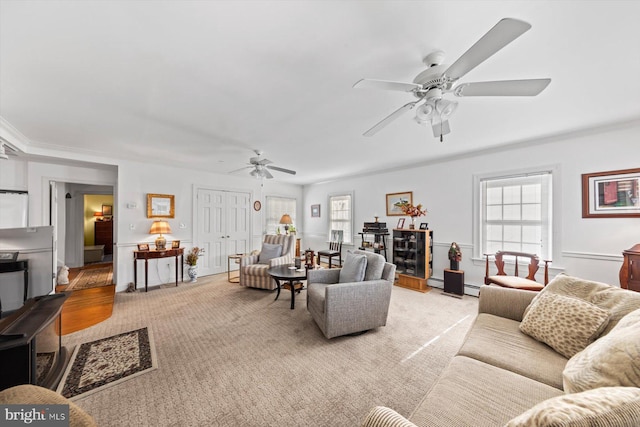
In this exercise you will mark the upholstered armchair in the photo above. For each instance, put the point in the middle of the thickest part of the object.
(340, 306)
(253, 268)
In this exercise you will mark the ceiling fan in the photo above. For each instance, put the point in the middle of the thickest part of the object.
(260, 167)
(438, 79)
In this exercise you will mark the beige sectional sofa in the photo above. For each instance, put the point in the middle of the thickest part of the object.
(578, 364)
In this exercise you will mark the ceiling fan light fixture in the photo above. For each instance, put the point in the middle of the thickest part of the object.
(445, 108)
(424, 113)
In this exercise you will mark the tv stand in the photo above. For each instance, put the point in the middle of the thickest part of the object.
(30, 331)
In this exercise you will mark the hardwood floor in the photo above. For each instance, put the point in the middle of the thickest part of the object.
(86, 307)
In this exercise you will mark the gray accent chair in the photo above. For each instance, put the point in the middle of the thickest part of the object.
(348, 308)
(254, 275)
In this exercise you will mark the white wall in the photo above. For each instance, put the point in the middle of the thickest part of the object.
(589, 248)
(135, 180)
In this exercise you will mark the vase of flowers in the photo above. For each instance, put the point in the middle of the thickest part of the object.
(192, 262)
(413, 212)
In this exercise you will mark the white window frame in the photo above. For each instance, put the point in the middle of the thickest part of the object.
(550, 208)
(348, 234)
(272, 218)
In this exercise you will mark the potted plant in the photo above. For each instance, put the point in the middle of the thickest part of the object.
(192, 261)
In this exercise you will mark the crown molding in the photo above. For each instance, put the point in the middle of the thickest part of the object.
(13, 137)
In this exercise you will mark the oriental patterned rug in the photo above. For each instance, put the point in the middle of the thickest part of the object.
(92, 278)
(108, 361)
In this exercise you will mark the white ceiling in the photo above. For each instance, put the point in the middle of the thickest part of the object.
(201, 83)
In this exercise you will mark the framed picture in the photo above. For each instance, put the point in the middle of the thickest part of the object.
(424, 225)
(8, 256)
(175, 244)
(107, 210)
(613, 194)
(143, 246)
(315, 211)
(160, 206)
(395, 200)
(400, 223)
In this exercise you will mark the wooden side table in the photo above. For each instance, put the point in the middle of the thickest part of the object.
(630, 270)
(147, 255)
(236, 258)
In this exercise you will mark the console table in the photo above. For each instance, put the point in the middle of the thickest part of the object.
(12, 266)
(155, 254)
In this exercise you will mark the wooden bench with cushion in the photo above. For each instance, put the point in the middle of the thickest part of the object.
(503, 279)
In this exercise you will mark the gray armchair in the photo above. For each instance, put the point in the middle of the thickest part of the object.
(348, 308)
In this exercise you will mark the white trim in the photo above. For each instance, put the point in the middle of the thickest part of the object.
(593, 256)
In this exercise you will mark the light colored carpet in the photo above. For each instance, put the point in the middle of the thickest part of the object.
(92, 277)
(231, 356)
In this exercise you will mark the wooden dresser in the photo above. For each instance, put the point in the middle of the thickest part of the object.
(104, 235)
(630, 271)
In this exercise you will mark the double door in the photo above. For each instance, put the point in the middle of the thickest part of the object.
(222, 227)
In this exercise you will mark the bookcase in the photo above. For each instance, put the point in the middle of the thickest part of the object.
(413, 257)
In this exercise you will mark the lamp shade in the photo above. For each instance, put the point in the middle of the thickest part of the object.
(286, 219)
(97, 213)
(160, 227)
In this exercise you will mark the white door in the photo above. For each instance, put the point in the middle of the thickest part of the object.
(222, 227)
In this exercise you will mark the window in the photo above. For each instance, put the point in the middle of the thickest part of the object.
(276, 207)
(515, 214)
(341, 216)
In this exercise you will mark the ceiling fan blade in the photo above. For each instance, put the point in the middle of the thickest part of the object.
(386, 85)
(241, 169)
(264, 162)
(266, 174)
(503, 33)
(391, 117)
(276, 168)
(530, 87)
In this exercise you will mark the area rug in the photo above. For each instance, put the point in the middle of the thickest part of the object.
(108, 361)
(92, 278)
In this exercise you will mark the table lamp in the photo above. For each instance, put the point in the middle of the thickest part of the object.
(159, 227)
(286, 220)
(98, 216)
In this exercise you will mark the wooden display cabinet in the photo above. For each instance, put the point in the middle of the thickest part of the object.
(413, 257)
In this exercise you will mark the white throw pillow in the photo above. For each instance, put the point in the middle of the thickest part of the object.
(353, 268)
(268, 252)
(565, 324)
(612, 360)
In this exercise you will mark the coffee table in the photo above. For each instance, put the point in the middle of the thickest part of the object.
(292, 276)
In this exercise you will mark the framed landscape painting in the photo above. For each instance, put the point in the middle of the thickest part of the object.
(612, 194)
(395, 200)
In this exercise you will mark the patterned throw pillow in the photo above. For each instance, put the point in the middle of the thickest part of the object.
(606, 406)
(565, 324)
(353, 268)
(613, 360)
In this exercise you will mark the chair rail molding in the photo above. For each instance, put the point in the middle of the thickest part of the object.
(593, 256)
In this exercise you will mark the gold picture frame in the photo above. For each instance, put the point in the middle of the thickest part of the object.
(160, 206)
(394, 200)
